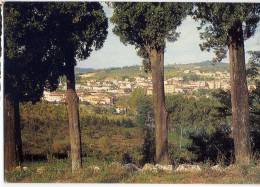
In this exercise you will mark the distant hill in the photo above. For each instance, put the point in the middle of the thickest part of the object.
(170, 70)
(83, 70)
(203, 66)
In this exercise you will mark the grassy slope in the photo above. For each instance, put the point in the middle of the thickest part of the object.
(59, 171)
(110, 142)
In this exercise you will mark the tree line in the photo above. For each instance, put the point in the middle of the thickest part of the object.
(43, 41)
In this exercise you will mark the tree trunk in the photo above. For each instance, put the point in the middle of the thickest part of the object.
(160, 113)
(73, 115)
(239, 95)
(9, 134)
(18, 139)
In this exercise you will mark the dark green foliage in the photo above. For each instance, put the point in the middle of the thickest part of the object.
(253, 70)
(254, 99)
(193, 114)
(41, 37)
(224, 97)
(194, 120)
(216, 147)
(146, 62)
(145, 119)
(196, 126)
(148, 149)
(217, 21)
(144, 110)
(29, 56)
(147, 25)
(254, 112)
(77, 29)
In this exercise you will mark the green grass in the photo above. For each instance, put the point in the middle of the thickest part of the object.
(60, 171)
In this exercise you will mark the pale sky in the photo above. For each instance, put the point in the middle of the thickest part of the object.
(184, 50)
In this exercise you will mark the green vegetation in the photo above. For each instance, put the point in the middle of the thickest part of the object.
(59, 171)
(224, 27)
(79, 142)
(104, 136)
(198, 132)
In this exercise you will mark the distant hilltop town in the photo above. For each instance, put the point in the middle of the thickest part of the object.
(93, 89)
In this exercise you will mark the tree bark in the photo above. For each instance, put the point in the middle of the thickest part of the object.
(73, 115)
(160, 113)
(239, 95)
(18, 139)
(9, 134)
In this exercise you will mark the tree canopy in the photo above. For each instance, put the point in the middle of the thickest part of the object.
(217, 21)
(29, 57)
(77, 29)
(147, 25)
(39, 36)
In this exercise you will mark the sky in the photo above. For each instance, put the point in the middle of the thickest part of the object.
(185, 50)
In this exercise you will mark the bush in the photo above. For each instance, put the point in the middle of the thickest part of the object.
(215, 147)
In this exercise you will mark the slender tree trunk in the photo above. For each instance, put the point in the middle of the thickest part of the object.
(239, 95)
(73, 115)
(18, 135)
(9, 134)
(160, 113)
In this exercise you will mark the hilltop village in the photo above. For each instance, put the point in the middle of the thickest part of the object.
(92, 90)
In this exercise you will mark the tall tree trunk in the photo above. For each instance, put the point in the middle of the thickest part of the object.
(73, 115)
(18, 136)
(9, 133)
(239, 95)
(160, 113)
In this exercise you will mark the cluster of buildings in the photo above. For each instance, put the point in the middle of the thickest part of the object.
(90, 98)
(105, 92)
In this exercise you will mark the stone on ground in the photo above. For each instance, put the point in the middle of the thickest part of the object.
(217, 168)
(25, 168)
(165, 168)
(40, 170)
(149, 168)
(18, 168)
(95, 169)
(188, 168)
(131, 167)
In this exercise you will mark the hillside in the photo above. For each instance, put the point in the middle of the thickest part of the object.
(170, 70)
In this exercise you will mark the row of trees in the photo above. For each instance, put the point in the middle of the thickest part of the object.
(43, 41)
(225, 26)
